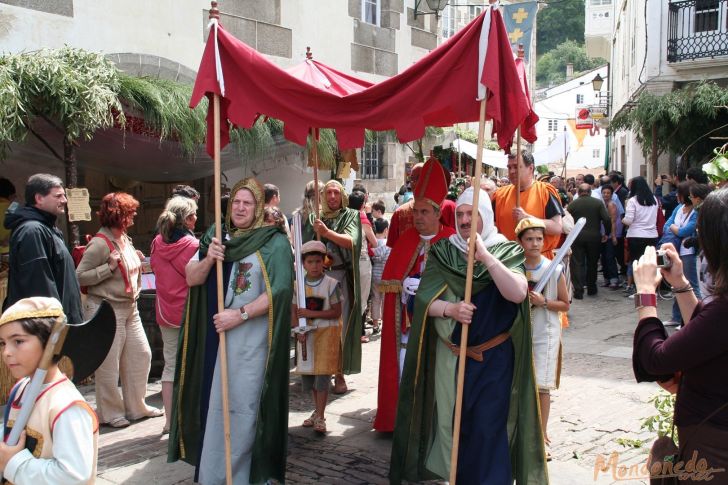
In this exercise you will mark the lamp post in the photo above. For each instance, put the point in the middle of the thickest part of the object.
(604, 109)
(435, 5)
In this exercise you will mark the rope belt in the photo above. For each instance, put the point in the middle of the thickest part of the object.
(476, 352)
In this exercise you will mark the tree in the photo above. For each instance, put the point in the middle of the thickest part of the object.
(559, 21)
(551, 67)
(683, 122)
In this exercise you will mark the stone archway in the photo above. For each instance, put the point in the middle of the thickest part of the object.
(154, 66)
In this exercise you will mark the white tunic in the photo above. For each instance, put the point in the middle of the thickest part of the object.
(546, 329)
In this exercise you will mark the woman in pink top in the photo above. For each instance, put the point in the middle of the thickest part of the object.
(172, 249)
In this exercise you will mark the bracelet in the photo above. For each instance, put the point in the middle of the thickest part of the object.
(545, 302)
(444, 309)
(685, 289)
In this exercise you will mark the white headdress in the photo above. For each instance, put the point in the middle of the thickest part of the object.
(489, 234)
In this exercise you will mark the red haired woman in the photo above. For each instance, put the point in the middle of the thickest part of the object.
(111, 269)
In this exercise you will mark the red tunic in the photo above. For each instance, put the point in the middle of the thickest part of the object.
(403, 262)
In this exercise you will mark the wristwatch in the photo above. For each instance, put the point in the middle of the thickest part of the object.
(645, 299)
(244, 314)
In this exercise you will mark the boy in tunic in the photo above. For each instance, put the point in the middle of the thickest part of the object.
(59, 444)
(545, 308)
(322, 356)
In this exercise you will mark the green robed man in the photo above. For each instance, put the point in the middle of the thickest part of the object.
(340, 229)
(500, 433)
(258, 287)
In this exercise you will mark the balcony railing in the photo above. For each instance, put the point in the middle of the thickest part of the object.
(697, 29)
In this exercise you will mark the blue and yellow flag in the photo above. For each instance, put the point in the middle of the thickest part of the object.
(520, 19)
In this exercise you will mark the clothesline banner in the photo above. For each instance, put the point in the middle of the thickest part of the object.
(441, 89)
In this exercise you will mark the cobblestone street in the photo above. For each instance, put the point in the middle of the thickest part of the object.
(597, 407)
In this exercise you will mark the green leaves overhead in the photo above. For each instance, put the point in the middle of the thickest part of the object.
(81, 92)
(683, 121)
(71, 87)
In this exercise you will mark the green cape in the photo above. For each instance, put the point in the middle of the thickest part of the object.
(269, 448)
(446, 270)
(348, 222)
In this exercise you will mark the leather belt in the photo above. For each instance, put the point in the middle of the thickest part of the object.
(476, 352)
(337, 268)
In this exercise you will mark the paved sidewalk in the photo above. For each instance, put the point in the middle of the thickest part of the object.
(597, 404)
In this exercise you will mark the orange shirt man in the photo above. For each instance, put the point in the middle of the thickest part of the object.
(539, 200)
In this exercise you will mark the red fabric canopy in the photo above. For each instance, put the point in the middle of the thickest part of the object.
(439, 90)
(327, 78)
(528, 128)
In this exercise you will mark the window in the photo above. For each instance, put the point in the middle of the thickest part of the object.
(371, 11)
(596, 152)
(579, 99)
(601, 2)
(474, 11)
(553, 125)
(448, 22)
(371, 157)
(706, 15)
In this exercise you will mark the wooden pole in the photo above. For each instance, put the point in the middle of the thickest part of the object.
(316, 194)
(468, 294)
(521, 55)
(221, 298)
(518, 167)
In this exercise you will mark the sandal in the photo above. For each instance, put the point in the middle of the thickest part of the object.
(310, 421)
(319, 425)
(120, 422)
(376, 328)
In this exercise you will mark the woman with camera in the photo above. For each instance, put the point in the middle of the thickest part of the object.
(694, 361)
(678, 227)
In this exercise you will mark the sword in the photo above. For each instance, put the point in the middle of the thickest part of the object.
(302, 328)
(560, 255)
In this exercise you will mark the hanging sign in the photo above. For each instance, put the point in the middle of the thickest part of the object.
(583, 117)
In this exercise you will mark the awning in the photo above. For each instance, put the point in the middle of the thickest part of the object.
(492, 158)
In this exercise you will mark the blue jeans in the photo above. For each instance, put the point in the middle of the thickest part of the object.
(609, 263)
(690, 270)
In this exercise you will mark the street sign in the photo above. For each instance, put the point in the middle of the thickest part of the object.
(583, 117)
(598, 111)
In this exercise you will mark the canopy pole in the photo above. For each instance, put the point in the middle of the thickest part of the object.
(468, 293)
(518, 167)
(316, 197)
(220, 299)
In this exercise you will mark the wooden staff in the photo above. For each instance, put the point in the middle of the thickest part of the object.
(316, 196)
(220, 296)
(518, 167)
(468, 293)
(521, 55)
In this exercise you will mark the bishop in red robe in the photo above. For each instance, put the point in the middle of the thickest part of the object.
(400, 280)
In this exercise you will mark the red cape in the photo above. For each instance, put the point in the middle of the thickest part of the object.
(397, 268)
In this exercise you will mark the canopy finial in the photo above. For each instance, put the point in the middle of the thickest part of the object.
(214, 11)
(521, 51)
(309, 54)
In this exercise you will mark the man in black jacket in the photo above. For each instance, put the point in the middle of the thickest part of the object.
(40, 264)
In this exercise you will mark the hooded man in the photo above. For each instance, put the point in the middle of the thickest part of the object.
(340, 229)
(500, 422)
(258, 287)
(400, 278)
